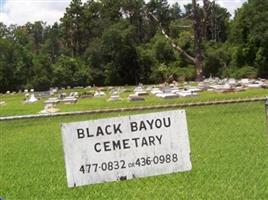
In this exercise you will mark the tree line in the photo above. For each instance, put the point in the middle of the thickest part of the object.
(119, 42)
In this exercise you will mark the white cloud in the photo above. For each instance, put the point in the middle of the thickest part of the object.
(22, 11)
(231, 5)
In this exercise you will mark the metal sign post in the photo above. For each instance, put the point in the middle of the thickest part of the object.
(266, 110)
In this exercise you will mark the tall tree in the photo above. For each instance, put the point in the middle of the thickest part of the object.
(249, 32)
(71, 24)
(198, 58)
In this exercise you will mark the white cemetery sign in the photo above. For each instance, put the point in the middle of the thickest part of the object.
(127, 147)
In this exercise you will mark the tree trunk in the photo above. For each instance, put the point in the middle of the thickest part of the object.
(199, 70)
(197, 60)
(197, 42)
(205, 20)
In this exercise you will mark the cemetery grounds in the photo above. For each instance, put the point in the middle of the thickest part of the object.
(229, 152)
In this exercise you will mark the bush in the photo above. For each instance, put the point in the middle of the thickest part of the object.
(183, 73)
(247, 72)
(173, 72)
(244, 72)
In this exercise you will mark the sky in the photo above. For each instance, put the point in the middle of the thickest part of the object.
(23, 11)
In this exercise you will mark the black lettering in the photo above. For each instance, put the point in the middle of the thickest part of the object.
(106, 146)
(126, 144)
(133, 126)
(142, 126)
(106, 130)
(165, 123)
(158, 123)
(88, 134)
(150, 123)
(144, 142)
(159, 138)
(116, 145)
(136, 141)
(117, 129)
(99, 131)
(95, 147)
(151, 140)
(80, 133)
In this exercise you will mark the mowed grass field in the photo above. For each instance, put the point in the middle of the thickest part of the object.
(229, 145)
(15, 105)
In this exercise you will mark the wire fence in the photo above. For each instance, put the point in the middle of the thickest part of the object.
(131, 109)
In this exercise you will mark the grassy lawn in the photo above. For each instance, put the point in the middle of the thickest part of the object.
(14, 103)
(229, 146)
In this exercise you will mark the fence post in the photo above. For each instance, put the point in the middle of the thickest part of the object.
(266, 110)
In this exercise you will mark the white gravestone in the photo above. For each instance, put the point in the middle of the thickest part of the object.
(127, 147)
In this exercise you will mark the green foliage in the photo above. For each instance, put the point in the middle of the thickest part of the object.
(71, 70)
(247, 72)
(183, 73)
(218, 23)
(120, 54)
(249, 31)
(238, 73)
(163, 73)
(178, 26)
(217, 59)
(146, 61)
(117, 42)
(163, 51)
(161, 10)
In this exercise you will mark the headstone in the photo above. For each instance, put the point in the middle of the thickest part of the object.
(194, 89)
(69, 100)
(99, 94)
(74, 94)
(255, 84)
(31, 100)
(156, 91)
(186, 93)
(51, 101)
(244, 81)
(232, 82)
(62, 95)
(53, 90)
(49, 109)
(26, 96)
(167, 95)
(141, 93)
(134, 97)
(114, 98)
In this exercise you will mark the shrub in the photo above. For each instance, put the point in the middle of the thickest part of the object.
(247, 72)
